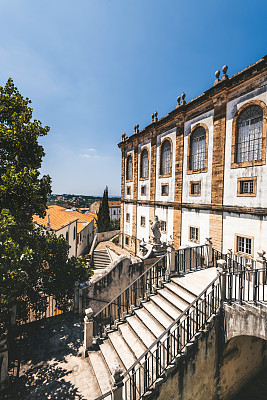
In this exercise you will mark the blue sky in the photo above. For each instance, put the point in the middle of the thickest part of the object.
(95, 68)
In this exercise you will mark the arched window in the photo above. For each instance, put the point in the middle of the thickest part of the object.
(249, 134)
(144, 164)
(165, 159)
(198, 149)
(129, 168)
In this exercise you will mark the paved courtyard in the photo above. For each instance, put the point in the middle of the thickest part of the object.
(50, 365)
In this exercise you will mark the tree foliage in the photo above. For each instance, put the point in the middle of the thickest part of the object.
(33, 262)
(103, 219)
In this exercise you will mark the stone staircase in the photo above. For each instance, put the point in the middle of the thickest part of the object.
(101, 259)
(131, 338)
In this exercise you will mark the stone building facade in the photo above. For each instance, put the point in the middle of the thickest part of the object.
(202, 168)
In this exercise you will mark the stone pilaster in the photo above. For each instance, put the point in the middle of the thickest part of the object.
(153, 166)
(217, 186)
(177, 217)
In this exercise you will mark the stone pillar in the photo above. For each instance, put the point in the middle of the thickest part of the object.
(3, 363)
(88, 328)
(209, 255)
(116, 382)
(221, 271)
(76, 297)
(261, 264)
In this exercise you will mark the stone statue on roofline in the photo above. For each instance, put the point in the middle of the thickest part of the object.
(155, 227)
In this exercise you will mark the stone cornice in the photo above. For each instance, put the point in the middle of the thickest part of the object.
(207, 99)
(210, 207)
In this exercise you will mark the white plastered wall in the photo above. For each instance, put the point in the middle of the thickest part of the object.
(199, 219)
(231, 174)
(165, 214)
(145, 182)
(143, 232)
(72, 241)
(244, 225)
(171, 134)
(128, 226)
(85, 238)
(204, 177)
(131, 183)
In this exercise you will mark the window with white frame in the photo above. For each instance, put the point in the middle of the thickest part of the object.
(143, 221)
(244, 245)
(197, 149)
(127, 217)
(129, 168)
(165, 159)
(144, 164)
(194, 234)
(163, 226)
(249, 134)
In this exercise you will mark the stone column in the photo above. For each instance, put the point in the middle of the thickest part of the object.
(88, 328)
(3, 363)
(208, 258)
(116, 382)
(221, 271)
(261, 265)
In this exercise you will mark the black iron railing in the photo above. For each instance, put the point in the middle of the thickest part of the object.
(191, 258)
(234, 262)
(130, 297)
(246, 285)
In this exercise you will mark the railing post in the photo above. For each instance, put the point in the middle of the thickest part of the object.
(76, 297)
(254, 284)
(3, 363)
(221, 271)
(261, 264)
(208, 258)
(170, 258)
(116, 382)
(88, 328)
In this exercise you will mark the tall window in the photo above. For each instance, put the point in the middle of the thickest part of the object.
(165, 162)
(144, 164)
(197, 149)
(244, 245)
(129, 168)
(249, 134)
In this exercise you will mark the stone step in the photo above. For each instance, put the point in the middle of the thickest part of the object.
(124, 353)
(110, 355)
(101, 370)
(172, 311)
(181, 291)
(153, 325)
(176, 301)
(143, 333)
(158, 314)
(132, 339)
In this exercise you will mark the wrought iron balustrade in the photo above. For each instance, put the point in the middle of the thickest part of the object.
(130, 297)
(191, 258)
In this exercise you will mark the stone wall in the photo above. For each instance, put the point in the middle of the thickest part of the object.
(97, 293)
(212, 369)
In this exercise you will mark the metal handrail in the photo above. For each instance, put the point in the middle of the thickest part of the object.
(131, 284)
(172, 325)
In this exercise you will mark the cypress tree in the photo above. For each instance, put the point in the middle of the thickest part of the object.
(103, 214)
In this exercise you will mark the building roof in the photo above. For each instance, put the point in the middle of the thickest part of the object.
(114, 203)
(60, 217)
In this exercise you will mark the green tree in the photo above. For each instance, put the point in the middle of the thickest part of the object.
(103, 219)
(32, 261)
